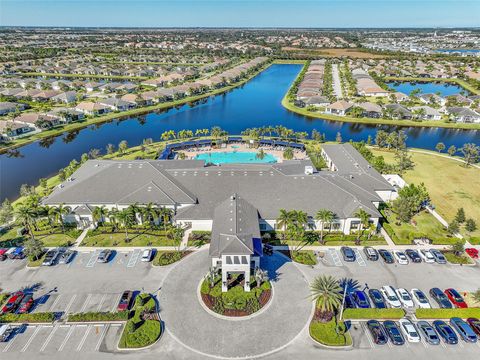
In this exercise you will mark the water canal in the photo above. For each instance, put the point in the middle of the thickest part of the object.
(255, 104)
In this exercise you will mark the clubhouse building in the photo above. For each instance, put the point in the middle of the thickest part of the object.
(234, 201)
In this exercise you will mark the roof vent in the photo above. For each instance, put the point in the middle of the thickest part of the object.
(233, 197)
(351, 176)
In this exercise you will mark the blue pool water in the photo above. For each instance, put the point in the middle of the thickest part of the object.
(427, 88)
(235, 157)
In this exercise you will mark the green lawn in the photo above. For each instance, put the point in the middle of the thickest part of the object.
(55, 239)
(463, 259)
(36, 263)
(306, 257)
(423, 225)
(450, 184)
(325, 333)
(117, 239)
(373, 313)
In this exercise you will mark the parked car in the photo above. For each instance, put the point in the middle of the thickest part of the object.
(378, 332)
(2, 254)
(400, 257)
(17, 253)
(475, 325)
(426, 256)
(104, 256)
(26, 304)
(370, 253)
(464, 330)
(67, 256)
(405, 298)
(390, 296)
(348, 254)
(441, 299)
(9, 253)
(393, 332)
(147, 255)
(12, 303)
(361, 299)
(438, 256)
(386, 256)
(420, 299)
(51, 257)
(349, 302)
(6, 332)
(125, 301)
(409, 330)
(472, 252)
(377, 299)
(413, 255)
(428, 332)
(455, 298)
(445, 332)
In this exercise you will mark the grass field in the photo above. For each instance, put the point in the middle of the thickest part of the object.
(449, 183)
(117, 239)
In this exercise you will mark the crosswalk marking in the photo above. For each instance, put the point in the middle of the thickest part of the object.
(335, 257)
(133, 258)
(359, 258)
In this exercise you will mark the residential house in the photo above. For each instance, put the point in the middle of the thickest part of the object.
(92, 108)
(426, 113)
(462, 114)
(11, 129)
(8, 107)
(66, 97)
(117, 104)
(370, 110)
(399, 112)
(340, 107)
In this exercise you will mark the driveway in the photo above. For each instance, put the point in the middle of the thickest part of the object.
(199, 331)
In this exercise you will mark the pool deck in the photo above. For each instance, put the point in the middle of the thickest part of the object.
(277, 153)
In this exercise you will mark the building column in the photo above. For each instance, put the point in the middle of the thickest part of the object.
(224, 280)
(246, 285)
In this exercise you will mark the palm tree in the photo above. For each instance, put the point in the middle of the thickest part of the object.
(176, 234)
(364, 222)
(325, 217)
(135, 209)
(260, 154)
(113, 217)
(326, 292)
(165, 214)
(126, 219)
(60, 212)
(288, 153)
(26, 214)
(150, 213)
(50, 212)
(283, 220)
(99, 214)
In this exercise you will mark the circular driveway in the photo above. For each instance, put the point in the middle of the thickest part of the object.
(192, 326)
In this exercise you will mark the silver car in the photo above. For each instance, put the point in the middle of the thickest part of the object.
(67, 256)
(428, 332)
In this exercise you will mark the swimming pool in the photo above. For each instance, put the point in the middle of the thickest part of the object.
(235, 157)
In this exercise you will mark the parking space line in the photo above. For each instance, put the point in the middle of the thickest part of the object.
(443, 344)
(101, 302)
(407, 344)
(64, 342)
(359, 258)
(79, 347)
(70, 303)
(55, 302)
(10, 342)
(424, 342)
(115, 304)
(85, 304)
(25, 347)
(367, 333)
(49, 338)
(133, 258)
(102, 336)
(335, 257)
(93, 259)
(460, 343)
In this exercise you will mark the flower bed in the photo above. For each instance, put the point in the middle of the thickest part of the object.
(235, 302)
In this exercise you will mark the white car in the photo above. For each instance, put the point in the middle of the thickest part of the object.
(420, 299)
(147, 255)
(390, 296)
(405, 298)
(426, 256)
(409, 330)
(400, 257)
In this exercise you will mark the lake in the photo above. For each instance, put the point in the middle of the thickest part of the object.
(442, 89)
(255, 104)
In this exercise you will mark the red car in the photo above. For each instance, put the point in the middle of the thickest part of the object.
(13, 302)
(26, 304)
(456, 298)
(472, 252)
(2, 254)
(125, 300)
(475, 325)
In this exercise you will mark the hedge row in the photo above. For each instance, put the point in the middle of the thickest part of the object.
(373, 313)
(447, 313)
(99, 316)
(40, 317)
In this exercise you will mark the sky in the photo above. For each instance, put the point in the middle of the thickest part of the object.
(241, 13)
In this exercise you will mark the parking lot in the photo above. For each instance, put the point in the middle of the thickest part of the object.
(63, 338)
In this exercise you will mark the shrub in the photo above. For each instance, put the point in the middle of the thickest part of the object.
(447, 313)
(40, 317)
(326, 333)
(164, 258)
(99, 316)
(373, 313)
(306, 257)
